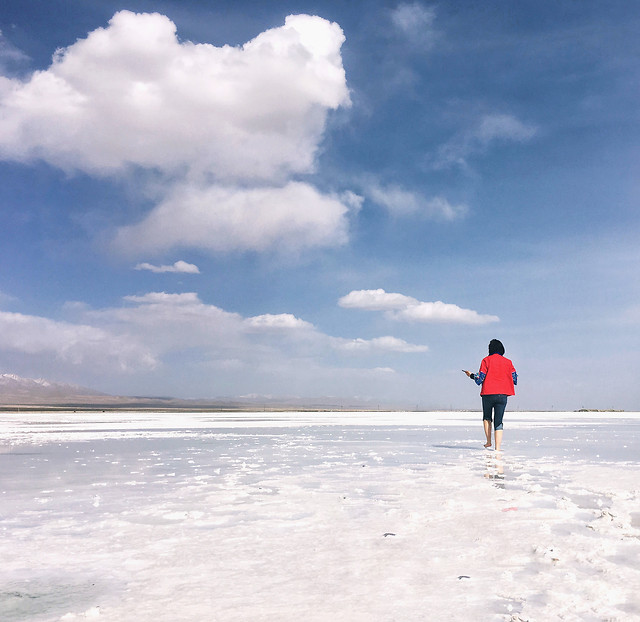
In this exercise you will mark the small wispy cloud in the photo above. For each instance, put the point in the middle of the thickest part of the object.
(405, 308)
(491, 129)
(10, 55)
(503, 127)
(401, 202)
(179, 266)
(378, 344)
(162, 298)
(416, 22)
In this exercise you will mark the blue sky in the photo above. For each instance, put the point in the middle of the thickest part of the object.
(322, 199)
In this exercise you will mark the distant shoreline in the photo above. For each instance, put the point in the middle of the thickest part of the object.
(202, 407)
(185, 409)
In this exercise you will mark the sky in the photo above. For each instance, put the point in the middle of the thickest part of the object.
(322, 199)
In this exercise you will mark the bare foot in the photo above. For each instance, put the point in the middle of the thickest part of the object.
(487, 445)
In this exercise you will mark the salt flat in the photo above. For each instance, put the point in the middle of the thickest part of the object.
(318, 516)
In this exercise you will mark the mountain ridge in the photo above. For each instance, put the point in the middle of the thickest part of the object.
(19, 392)
(12, 385)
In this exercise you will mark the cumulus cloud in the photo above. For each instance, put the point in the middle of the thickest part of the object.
(491, 129)
(169, 322)
(228, 218)
(133, 94)
(408, 309)
(211, 122)
(401, 202)
(442, 312)
(179, 266)
(375, 300)
(279, 322)
(76, 344)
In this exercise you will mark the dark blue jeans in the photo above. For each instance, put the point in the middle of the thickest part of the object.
(494, 404)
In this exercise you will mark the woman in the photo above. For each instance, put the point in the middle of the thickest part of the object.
(498, 377)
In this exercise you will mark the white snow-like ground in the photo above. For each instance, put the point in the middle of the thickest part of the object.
(354, 517)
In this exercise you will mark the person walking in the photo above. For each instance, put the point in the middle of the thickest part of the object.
(498, 378)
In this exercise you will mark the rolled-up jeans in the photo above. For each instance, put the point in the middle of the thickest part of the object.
(494, 404)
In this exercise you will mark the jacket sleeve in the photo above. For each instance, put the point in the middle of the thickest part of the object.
(479, 377)
(482, 374)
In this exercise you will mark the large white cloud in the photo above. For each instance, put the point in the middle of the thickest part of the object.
(211, 120)
(74, 344)
(171, 322)
(229, 218)
(406, 308)
(132, 93)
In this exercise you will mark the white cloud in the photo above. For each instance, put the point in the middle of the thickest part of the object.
(76, 344)
(352, 200)
(212, 122)
(401, 202)
(375, 300)
(228, 218)
(408, 309)
(383, 370)
(282, 321)
(415, 21)
(178, 266)
(148, 333)
(380, 344)
(442, 312)
(162, 298)
(491, 129)
(132, 94)
(171, 322)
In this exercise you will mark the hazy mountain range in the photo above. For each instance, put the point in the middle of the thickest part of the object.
(18, 391)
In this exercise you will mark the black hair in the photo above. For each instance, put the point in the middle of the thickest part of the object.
(496, 347)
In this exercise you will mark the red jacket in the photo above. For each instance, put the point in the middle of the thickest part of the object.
(497, 375)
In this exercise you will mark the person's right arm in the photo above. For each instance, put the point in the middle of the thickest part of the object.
(479, 377)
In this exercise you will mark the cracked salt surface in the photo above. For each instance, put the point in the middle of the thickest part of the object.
(328, 516)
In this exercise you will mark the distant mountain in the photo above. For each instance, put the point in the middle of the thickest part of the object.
(17, 390)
